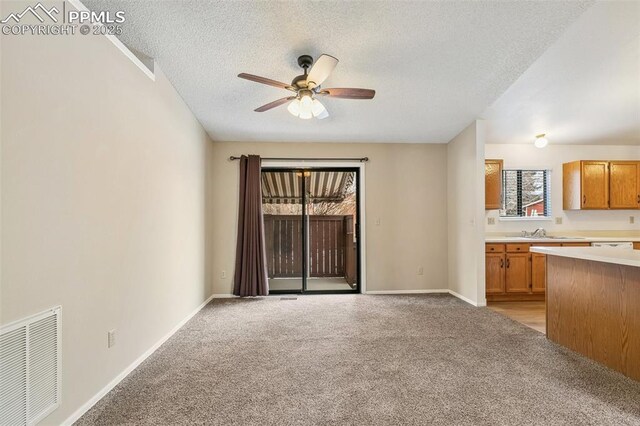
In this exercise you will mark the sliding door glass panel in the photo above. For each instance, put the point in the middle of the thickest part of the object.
(331, 208)
(283, 225)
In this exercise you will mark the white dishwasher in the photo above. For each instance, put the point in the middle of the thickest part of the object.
(619, 245)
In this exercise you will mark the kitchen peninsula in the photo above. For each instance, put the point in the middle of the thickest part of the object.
(593, 304)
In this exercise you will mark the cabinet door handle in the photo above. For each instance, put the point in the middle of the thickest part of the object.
(508, 263)
(502, 263)
(584, 199)
(638, 198)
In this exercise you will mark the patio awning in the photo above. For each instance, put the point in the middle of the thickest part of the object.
(286, 187)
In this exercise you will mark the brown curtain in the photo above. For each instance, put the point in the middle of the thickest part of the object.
(251, 260)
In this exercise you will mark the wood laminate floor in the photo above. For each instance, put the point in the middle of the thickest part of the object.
(531, 314)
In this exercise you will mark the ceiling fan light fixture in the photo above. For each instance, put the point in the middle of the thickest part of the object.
(294, 107)
(306, 101)
(306, 104)
(305, 115)
(306, 107)
(317, 108)
(324, 114)
(540, 141)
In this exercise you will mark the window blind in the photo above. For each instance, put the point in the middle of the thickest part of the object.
(525, 193)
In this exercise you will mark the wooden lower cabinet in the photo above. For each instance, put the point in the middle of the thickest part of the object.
(494, 273)
(538, 272)
(517, 276)
(513, 273)
(509, 274)
(636, 246)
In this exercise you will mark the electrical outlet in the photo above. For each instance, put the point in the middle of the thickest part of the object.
(223, 274)
(491, 220)
(378, 222)
(421, 271)
(559, 220)
(632, 219)
(111, 338)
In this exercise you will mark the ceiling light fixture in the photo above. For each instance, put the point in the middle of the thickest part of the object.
(306, 107)
(541, 141)
(318, 110)
(294, 107)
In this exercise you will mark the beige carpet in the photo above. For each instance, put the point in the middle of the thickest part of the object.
(355, 359)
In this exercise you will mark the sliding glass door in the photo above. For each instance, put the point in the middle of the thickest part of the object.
(311, 230)
(331, 208)
(283, 226)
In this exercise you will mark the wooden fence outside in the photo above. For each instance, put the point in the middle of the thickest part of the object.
(327, 246)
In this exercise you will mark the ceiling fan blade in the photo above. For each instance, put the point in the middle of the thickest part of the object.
(321, 70)
(349, 93)
(267, 81)
(274, 104)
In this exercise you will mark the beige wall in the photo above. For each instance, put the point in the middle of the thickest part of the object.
(103, 203)
(465, 186)
(552, 157)
(405, 189)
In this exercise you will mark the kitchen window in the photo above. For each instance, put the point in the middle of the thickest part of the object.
(525, 194)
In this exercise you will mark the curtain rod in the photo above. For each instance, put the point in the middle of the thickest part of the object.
(363, 159)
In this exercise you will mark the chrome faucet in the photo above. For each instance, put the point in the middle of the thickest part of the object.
(538, 233)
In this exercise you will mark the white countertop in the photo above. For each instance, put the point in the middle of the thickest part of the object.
(559, 240)
(597, 254)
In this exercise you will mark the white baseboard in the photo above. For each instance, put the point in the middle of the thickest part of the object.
(435, 290)
(97, 397)
(465, 299)
(223, 296)
(374, 292)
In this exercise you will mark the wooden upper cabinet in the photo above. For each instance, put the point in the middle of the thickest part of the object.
(493, 184)
(595, 184)
(600, 185)
(585, 185)
(624, 185)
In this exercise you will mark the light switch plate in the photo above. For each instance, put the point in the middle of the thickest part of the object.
(558, 220)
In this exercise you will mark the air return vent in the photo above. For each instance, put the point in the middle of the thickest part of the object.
(30, 368)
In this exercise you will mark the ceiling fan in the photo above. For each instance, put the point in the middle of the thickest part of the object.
(307, 86)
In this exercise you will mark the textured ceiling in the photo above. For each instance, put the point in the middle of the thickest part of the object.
(435, 66)
(585, 89)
